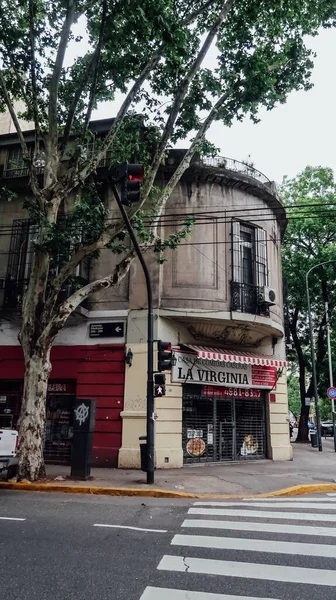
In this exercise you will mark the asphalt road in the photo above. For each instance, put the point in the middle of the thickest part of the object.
(65, 548)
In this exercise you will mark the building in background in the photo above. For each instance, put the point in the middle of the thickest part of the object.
(218, 299)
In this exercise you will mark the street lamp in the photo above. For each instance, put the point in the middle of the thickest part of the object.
(313, 352)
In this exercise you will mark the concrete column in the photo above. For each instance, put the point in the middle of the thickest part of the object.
(279, 443)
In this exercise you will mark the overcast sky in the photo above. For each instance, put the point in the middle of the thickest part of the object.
(299, 133)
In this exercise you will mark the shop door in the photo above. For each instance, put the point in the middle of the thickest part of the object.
(59, 429)
(219, 429)
(207, 429)
(9, 410)
(250, 428)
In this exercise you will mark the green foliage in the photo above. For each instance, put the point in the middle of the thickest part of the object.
(294, 399)
(310, 239)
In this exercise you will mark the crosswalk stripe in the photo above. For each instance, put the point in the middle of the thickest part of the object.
(270, 546)
(153, 593)
(262, 514)
(262, 527)
(331, 506)
(285, 500)
(248, 570)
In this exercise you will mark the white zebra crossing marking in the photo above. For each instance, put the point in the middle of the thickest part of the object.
(331, 506)
(264, 527)
(248, 570)
(11, 519)
(291, 499)
(270, 546)
(155, 593)
(261, 514)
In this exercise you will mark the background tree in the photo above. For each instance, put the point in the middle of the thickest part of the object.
(310, 239)
(153, 51)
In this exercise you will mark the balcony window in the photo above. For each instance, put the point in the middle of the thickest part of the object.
(249, 268)
(16, 166)
(20, 261)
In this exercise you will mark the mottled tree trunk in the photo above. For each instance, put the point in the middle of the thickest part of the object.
(33, 411)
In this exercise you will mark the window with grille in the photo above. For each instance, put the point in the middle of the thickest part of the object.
(249, 254)
(20, 262)
(249, 267)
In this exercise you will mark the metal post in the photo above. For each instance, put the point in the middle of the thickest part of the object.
(331, 379)
(318, 426)
(150, 344)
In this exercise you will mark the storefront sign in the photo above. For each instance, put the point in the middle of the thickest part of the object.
(210, 390)
(191, 369)
(60, 388)
(103, 330)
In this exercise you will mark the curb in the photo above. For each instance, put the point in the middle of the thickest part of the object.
(296, 490)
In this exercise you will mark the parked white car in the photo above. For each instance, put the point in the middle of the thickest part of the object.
(8, 447)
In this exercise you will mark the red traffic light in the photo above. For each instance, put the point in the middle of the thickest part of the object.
(132, 172)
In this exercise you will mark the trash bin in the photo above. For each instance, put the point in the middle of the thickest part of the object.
(313, 439)
(143, 454)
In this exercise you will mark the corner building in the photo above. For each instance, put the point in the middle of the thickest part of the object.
(218, 299)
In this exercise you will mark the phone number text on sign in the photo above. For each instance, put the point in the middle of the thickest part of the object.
(210, 390)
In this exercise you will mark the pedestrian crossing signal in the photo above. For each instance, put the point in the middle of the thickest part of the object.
(131, 175)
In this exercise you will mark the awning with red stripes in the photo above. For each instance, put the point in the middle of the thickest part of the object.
(235, 356)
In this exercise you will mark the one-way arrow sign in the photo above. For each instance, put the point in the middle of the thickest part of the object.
(103, 330)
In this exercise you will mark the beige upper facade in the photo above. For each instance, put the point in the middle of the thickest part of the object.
(222, 287)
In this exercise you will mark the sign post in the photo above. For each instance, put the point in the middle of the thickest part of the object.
(332, 395)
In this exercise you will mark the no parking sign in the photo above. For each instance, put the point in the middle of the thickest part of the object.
(331, 393)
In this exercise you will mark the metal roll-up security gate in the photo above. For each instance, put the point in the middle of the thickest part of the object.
(219, 429)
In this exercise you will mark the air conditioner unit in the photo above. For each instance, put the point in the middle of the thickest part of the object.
(267, 295)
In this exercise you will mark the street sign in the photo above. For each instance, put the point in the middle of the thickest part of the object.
(331, 393)
(103, 330)
(159, 391)
(308, 401)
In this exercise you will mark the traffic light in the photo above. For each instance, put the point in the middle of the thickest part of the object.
(131, 175)
(159, 385)
(165, 356)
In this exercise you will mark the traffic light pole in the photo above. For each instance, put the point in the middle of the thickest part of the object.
(150, 343)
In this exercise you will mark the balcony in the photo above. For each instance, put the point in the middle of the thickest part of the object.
(245, 298)
(222, 162)
(16, 168)
(14, 291)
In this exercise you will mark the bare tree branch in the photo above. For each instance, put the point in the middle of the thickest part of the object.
(192, 16)
(69, 305)
(185, 162)
(32, 9)
(180, 96)
(92, 165)
(96, 71)
(55, 78)
(15, 120)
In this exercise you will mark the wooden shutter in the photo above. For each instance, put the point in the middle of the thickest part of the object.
(236, 258)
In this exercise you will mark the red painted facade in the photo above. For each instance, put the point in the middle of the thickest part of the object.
(98, 372)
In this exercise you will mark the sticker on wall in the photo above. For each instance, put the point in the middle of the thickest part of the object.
(196, 447)
(250, 446)
(194, 433)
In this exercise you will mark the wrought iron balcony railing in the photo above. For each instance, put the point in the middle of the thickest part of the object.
(222, 162)
(245, 298)
(15, 289)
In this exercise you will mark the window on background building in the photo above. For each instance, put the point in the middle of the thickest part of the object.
(249, 268)
(20, 262)
(249, 254)
(16, 166)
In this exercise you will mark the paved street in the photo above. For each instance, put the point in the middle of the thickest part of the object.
(71, 547)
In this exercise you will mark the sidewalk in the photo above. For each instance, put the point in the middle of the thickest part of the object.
(244, 478)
